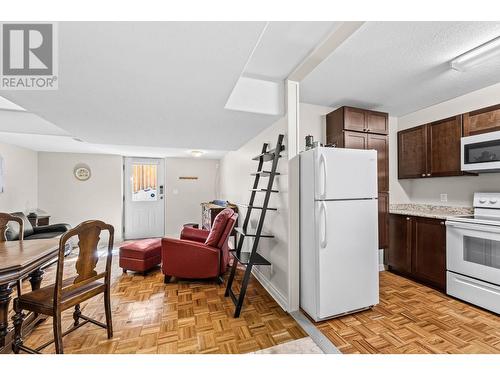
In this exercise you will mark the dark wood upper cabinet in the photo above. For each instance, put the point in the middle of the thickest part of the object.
(354, 119)
(429, 251)
(381, 144)
(377, 122)
(430, 150)
(355, 140)
(417, 249)
(399, 253)
(482, 120)
(444, 147)
(412, 152)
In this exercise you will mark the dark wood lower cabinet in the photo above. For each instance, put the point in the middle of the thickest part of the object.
(383, 220)
(399, 251)
(429, 251)
(417, 249)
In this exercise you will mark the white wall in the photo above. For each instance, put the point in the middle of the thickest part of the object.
(183, 197)
(70, 201)
(399, 190)
(235, 182)
(459, 189)
(312, 121)
(21, 179)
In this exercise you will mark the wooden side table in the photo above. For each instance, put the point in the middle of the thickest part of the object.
(39, 220)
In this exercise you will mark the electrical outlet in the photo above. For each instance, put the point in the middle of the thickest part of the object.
(444, 197)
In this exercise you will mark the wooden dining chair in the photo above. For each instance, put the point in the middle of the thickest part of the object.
(5, 218)
(69, 293)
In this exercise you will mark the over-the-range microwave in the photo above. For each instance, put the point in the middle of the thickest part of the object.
(481, 153)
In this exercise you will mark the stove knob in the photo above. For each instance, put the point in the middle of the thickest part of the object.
(482, 200)
(493, 201)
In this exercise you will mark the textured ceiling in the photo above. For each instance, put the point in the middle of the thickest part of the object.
(400, 67)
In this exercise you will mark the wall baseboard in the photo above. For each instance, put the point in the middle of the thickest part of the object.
(275, 293)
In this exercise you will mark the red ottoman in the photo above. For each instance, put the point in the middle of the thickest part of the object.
(141, 255)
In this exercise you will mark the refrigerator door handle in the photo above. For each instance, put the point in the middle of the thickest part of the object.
(322, 162)
(324, 240)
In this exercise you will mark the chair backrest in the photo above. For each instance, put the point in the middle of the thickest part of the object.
(88, 234)
(231, 222)
(4, 221)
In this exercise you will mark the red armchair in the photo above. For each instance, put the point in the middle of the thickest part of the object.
(191, 258)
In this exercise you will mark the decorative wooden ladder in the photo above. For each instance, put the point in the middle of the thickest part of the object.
(249, 259)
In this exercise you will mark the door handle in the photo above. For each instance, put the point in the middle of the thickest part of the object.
(324, 240)
(322, 162)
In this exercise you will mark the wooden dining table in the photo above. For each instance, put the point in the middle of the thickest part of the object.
(20, 260)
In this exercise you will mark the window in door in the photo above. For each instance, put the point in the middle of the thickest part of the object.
(144, 182)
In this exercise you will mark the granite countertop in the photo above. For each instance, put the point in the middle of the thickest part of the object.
(428, 210)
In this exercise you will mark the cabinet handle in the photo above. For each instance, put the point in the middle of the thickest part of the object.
(408, 218)
(368, 130)
(442, 223)
(428, 174)
(423, 174)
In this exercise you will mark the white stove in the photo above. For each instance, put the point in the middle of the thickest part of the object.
(473, 253)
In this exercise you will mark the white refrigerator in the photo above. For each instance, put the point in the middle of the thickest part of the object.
(338, 231)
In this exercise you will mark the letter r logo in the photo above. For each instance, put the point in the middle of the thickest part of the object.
(27, 49)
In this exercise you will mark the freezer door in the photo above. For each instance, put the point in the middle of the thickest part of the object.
(347, 233)
(342, 173)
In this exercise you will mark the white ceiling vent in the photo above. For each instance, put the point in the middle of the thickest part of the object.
(257, 96)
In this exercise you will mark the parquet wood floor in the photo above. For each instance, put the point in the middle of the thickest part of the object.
(412, 318)
(186, 317)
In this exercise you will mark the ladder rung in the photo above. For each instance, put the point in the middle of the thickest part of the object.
(233, 296)
(244, 258)
(268, 155)
(252, 234)
(259, 190)
(258, 207)
(264, 173)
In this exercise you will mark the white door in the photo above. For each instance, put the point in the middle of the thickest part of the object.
(348, 255)
(144, 205)
(343, 173)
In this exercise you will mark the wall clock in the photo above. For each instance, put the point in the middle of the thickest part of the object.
(82, 172)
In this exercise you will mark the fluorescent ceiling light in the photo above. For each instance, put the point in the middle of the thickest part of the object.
(197, 153)
(476, 55)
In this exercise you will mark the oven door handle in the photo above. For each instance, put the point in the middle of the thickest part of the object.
(475, 227)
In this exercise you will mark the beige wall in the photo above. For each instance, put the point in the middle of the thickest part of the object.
(21, 179)
(71, 201)
(459, 189)
(183, 197)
